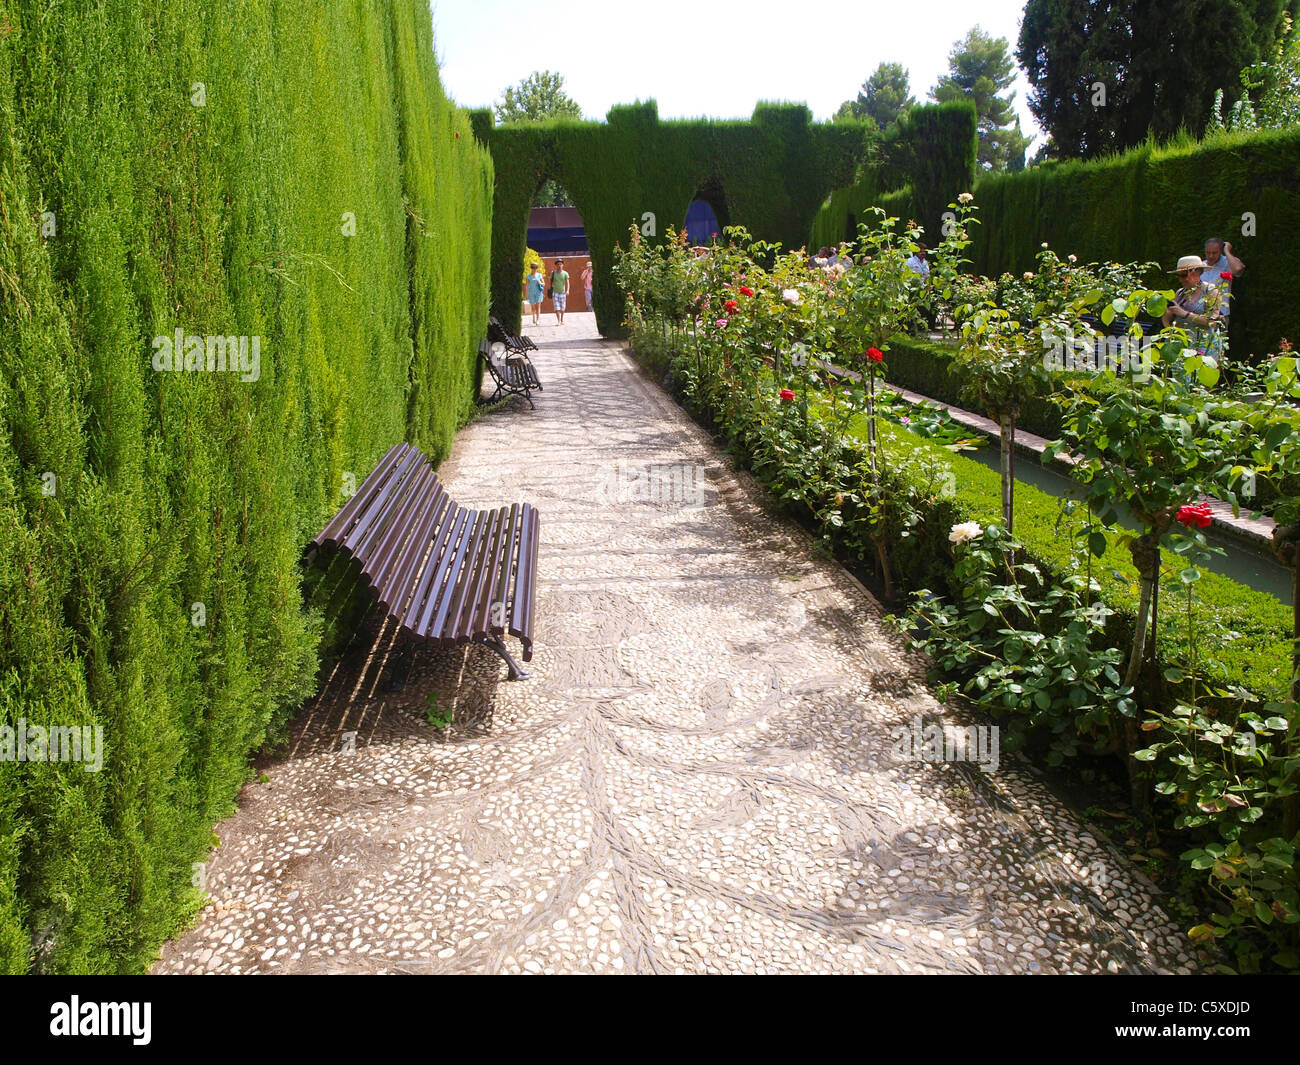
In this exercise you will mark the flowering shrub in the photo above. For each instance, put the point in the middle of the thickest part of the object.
(1031, 653)
(745, 332)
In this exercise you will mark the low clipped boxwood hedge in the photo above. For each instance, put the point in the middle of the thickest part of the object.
(929, 368)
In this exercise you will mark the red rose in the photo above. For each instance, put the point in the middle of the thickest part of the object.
(875, 354)
(1198, 514)
(746, 291)
(730, 306)
(1225, 277)
(786, 395)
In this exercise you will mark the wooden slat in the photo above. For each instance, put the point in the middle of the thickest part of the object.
(450, 628)
(422, 539)
(344, 518)
(385, 539)
(425, 589)
(379, 505)
(483, 615)
(393, 562)
(436, 578)
(501, 593)
(526, 600)
(454, 574)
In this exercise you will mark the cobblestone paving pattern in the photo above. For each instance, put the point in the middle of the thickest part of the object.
(700, 775)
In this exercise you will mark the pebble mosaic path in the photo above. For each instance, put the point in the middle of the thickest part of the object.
(702, 774)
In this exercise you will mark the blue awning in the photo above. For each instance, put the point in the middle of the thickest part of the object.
(561, 238)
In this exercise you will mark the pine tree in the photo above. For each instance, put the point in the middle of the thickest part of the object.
(980, 69)
(884, 96)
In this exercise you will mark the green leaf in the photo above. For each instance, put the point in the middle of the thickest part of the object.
(1097, 544)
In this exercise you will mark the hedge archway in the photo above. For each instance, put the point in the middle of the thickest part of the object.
(771, 174)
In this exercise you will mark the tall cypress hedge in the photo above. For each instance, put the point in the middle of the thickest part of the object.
(151, 522)
(927, 159)
(769, 174)
(1156, 204)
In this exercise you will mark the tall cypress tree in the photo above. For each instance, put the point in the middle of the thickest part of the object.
(1104, 73)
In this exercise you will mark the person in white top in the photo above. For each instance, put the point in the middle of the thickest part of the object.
(918, 263)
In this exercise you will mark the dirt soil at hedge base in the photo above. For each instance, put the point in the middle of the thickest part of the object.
(703, 773)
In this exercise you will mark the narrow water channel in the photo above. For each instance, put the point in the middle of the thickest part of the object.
(1254, 567)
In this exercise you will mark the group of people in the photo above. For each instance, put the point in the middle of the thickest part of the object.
(828, 257)
(1202, 303)
(558, 283)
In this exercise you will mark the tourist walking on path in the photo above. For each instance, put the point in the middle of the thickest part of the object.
(559, 289)
(587, 278)
(536, 293)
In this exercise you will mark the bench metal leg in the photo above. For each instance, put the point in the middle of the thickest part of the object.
(517, 672)
(399, 667)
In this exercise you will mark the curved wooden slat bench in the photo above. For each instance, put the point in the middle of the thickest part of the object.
(443, 572)
(513, 375)
(498, 335)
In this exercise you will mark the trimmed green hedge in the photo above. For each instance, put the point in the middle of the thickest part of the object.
(927, 161)
(929, 367)
(1156, 204)
(769, 174)
(150, 584)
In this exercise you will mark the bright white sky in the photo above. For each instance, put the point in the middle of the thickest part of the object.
(706, 57)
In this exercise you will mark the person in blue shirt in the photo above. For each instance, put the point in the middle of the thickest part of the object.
(918, 263)
(536, 292)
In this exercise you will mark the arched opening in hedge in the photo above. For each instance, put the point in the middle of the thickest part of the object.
(707, 216)
(555, 230)
(777, 168)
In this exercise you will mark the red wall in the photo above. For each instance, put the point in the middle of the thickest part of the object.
(574, 264)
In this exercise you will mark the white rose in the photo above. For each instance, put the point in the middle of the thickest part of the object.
(790, 295)
(965, 197)
(967, 530)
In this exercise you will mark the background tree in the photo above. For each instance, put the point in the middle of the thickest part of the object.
(980, 69)
(1158, 64)
(539, 97)
(1270, 91)
(883, 96)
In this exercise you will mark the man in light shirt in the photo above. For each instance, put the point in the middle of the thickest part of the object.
(918, 264)
(1221, 268)
(559, 290)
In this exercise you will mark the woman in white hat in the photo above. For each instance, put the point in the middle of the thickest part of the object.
(1197, 306)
